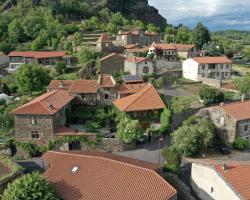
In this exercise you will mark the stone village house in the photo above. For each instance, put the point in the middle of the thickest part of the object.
(112, 63)
(46, 117)
(232, 120)
(43, 58)
(138, 66)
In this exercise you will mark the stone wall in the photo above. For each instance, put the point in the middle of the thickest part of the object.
(9, 179)
(172, 74)
(106, 96)
(113, 64)
(183, 191)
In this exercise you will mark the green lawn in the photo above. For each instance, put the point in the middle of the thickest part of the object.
(243, 69)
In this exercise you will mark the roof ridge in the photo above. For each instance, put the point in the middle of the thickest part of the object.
(139, 94)
(112, 160)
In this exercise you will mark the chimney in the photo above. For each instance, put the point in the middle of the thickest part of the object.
(224, 167)
(242, 97)
(61, 84)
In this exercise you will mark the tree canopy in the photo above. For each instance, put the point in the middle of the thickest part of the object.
(201, 35)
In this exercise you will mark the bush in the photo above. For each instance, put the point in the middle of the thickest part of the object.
(210, 95)
(182, 104)
(165, 118)
(240, 144)
(60, 67)
(172, 159)
(31, 149)
(31, 186)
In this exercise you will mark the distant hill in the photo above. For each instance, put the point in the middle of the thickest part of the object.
(81, 9)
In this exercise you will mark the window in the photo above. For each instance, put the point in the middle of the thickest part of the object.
(221, 66)
(106, 96)
(227, 66)
(35, 135)
(123, 37)
(33, 120)
(212, 191)
(145, 70)
(246, 128)
(203, 67)
(146, 62)
(107, 44)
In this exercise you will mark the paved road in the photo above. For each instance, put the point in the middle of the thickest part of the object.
(148, 152)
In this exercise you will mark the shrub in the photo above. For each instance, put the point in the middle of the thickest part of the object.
(210, 95)
(182, 104)
(165, 118)
(31, 149)
(240, 144)
(60, 67)
(172, 159)
(31, 186)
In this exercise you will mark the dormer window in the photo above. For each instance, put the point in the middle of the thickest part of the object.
(33, 120)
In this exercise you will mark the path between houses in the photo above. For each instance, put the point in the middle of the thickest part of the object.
(147, 152)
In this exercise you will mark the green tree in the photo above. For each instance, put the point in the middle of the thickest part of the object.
(201, 35)
(172, 159)
(193, 137)
(31, 78)
(41, 41)
(15, 31)
(60, 67)
(30, 186)
(240, 144)
(210, 95)
(183, 35)
(85, 55)
(129, 130)
(153, 28)
(165, 120)
(5, 89)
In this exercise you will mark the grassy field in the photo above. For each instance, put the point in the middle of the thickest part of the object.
(243, 69)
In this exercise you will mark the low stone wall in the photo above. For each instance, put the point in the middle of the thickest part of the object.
(183, 191)
(9, 179)
(110, 145)
(171, 74)
(177, 119)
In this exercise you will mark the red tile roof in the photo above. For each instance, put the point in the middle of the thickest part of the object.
(164, 46)
(239, 110)
(37, 54)
(212, 60)
(112, 55)
(106, 81)
(183, 47)
(46, 104)
(236, 175)
(132, 46)
(75, 86)
(138, 50)
(104, 38)
(146, 99)
(136, 59)
(66, 131)
(130, 88)
(101, 176)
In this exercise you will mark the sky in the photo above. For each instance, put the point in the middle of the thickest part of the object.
(215, 14)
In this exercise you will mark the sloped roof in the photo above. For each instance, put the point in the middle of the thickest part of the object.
(212, 60)
(106, 81)
(145, 99)
(38, 54)
(46, 104)
(112, 55)
(136, 59)
(138, 50)
(184, 47)
(75, 86)
(104, 38)
(103, 176)
(164, 46)
(132, 46)
(236, 175)
(130, 88)
(239, 110)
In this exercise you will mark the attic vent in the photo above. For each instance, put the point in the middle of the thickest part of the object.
(74, 170)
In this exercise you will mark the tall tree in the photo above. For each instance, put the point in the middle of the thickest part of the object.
(201, 35)
(31, 78)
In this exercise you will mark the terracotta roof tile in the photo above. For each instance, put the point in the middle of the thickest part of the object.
(164, 46)
(37, 54)
(75, 86)
(183, 47)
(136, 59)
(146, 99)
(239, 110)
(111, 55)
(212, 60)
(130, 88)
(104, 38)
(138, 50)
(46, 104)
(102, 176)
(106, 81)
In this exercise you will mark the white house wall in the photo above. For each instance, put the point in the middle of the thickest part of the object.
(190, 69)
(203, 178)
